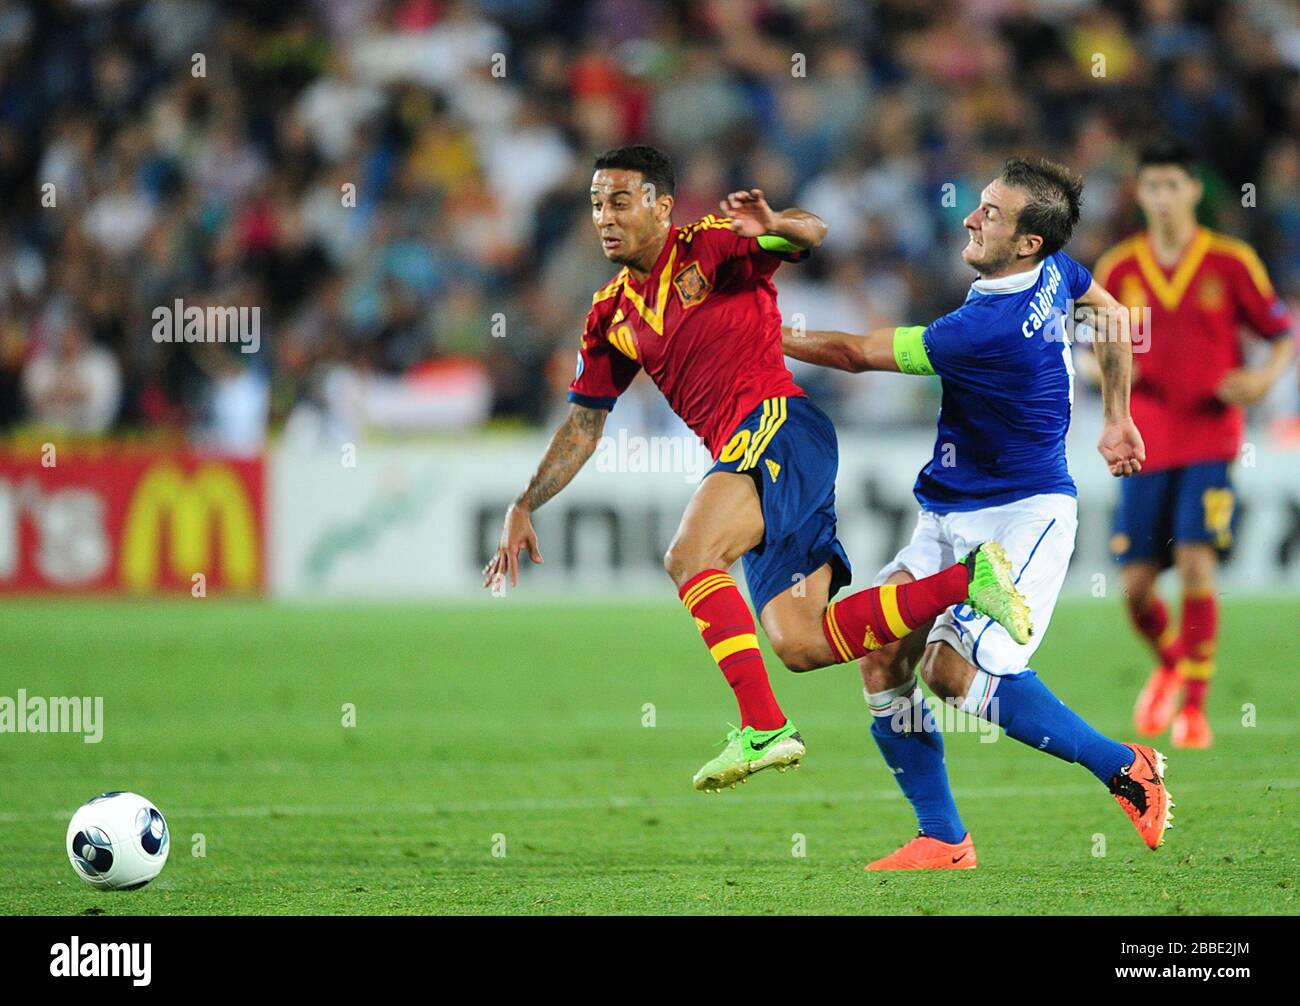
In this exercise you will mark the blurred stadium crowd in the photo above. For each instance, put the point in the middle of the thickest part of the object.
(400, 185)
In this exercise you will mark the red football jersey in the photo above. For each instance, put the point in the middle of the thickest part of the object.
(704, 324)
(1197, 310)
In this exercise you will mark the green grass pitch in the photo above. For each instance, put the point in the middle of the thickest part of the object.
(519, 729)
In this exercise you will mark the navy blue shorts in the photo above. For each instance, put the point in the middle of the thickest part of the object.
(789, 448)
(1177, 506)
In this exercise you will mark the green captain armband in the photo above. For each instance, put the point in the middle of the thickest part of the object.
(909, 351)
(774, 243)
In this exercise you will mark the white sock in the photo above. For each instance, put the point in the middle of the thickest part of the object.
(900, 701)
(976, 699)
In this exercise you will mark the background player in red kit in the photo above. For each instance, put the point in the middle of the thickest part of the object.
(695, 307)
(1189, 390)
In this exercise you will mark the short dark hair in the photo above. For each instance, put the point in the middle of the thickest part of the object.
(1168, 151)
(1054, 196)
(655, 166)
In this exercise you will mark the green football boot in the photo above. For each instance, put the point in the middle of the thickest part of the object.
(993, 591)
(747, 751)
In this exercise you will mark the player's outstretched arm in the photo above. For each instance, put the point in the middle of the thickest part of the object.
(573, 443)
(751, 217)
(841, 350)
(1121, 442)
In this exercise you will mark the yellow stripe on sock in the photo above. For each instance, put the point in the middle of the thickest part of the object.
(845, 654)
(893, 617)
(745, 641)
(699, 597)
(703, 589)
(706, 587)
(710, 579)
(1196, 670)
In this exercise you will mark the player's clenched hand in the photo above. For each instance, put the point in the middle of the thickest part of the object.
(1243, 387)
(1122, 447)
(517, 534)
(751, 217)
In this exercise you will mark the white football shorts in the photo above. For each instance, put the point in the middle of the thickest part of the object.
(1038, 535)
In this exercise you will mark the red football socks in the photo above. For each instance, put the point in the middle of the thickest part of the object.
(876, 616)
(1152, 623)
(725, 622)
(1199, 638)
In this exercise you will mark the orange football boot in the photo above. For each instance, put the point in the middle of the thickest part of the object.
(1157, 702)
(1191, 729)
(1140, 789)
(925, 853)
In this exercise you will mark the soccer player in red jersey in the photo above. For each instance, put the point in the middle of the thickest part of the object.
(695, 307)
(1189, 390)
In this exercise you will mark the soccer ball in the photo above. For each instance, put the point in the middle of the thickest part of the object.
(118, 841)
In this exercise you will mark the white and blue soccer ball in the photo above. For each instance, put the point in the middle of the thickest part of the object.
(118, 841)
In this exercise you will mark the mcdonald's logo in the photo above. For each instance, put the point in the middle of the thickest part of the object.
(210, 507)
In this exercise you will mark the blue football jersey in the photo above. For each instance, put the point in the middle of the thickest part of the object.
(1008, 386)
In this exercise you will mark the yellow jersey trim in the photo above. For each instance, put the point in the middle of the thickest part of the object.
(1170, 291)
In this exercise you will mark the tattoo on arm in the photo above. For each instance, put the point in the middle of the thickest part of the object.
(1113, 349)
(1116, 362)
(574, 442)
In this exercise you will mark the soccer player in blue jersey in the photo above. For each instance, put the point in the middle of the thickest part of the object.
(998, 472)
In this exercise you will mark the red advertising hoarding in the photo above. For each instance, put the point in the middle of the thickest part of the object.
(132, 521)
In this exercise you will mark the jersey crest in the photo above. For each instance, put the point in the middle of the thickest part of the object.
(692, 285)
